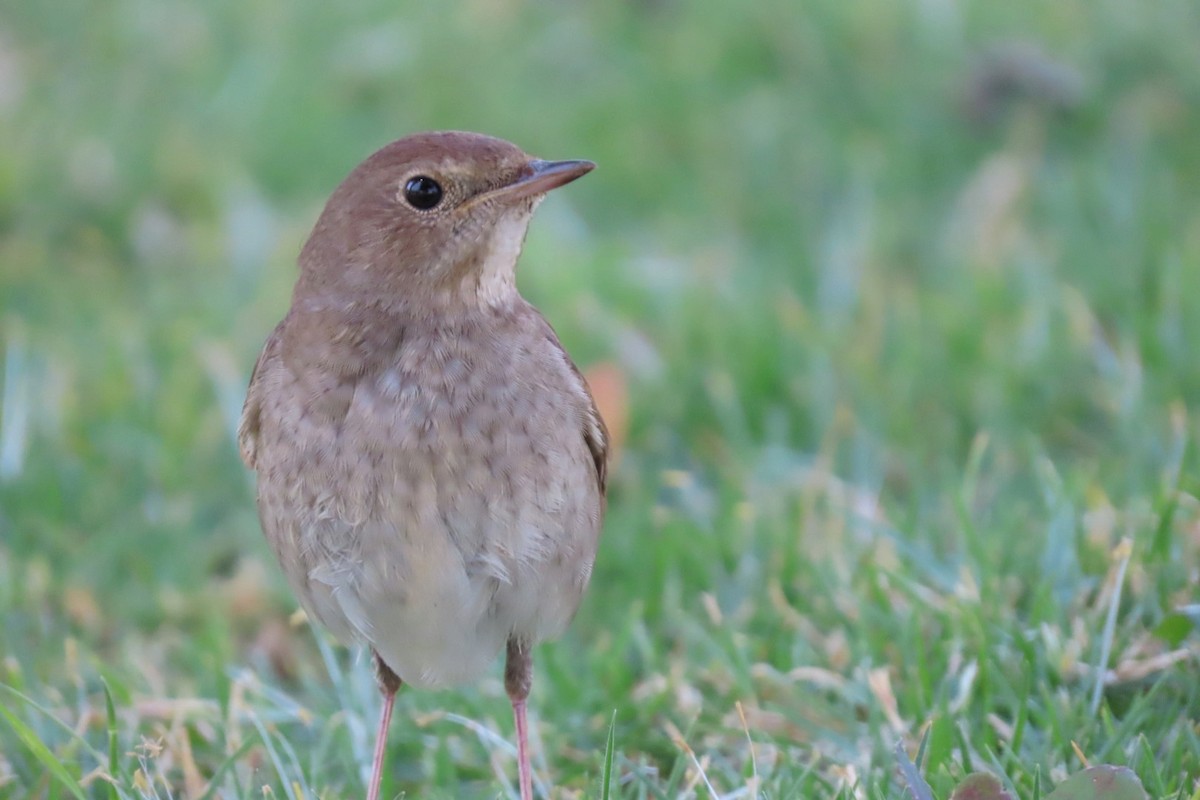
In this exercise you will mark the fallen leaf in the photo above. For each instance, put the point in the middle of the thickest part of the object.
(610, 390)
(1103, 782)
(980, 786)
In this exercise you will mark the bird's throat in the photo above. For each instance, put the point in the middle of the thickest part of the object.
(490, 278)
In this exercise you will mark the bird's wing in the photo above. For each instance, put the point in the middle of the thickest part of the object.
(248, 428)
(595, 433)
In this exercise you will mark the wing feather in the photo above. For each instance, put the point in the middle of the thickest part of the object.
(248, 427)
(593, 430)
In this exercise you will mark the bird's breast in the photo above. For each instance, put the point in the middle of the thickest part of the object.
(452, 491)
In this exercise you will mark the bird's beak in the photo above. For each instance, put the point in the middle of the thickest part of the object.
(542, 176)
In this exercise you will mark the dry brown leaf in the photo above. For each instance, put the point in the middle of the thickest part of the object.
(822, 678)
(81, 607)
(172, 708)
(245, 593)
(761, 720)
(1137, 669)
(275, 641)
(610, 389)
(880, 684)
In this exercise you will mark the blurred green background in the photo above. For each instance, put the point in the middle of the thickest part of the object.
(902, 300)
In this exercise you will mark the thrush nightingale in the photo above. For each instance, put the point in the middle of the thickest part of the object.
(431, 465)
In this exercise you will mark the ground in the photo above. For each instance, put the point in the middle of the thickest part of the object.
(894, 307)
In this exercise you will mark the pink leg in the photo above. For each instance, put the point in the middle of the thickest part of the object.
(518, 675)
(389, 699)
(523, 769)
(389, 684)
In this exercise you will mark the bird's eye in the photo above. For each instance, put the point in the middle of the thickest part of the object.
(423, 192)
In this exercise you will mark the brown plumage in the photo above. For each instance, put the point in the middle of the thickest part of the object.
(431, 466)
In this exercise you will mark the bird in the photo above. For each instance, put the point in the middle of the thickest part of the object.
(431, 466)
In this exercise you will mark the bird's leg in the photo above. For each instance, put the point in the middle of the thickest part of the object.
(518, 675)
(389, 684)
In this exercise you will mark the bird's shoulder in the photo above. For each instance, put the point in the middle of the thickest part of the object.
(319, 351)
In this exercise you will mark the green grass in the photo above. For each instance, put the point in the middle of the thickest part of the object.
(911, 337)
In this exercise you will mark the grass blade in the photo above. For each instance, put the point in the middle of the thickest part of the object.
(609, 747)
(42, 753)
(918, 789)
(215, 781)
(114, 762)
(1123, 552)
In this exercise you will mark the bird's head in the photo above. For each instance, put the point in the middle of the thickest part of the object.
(433, 217)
